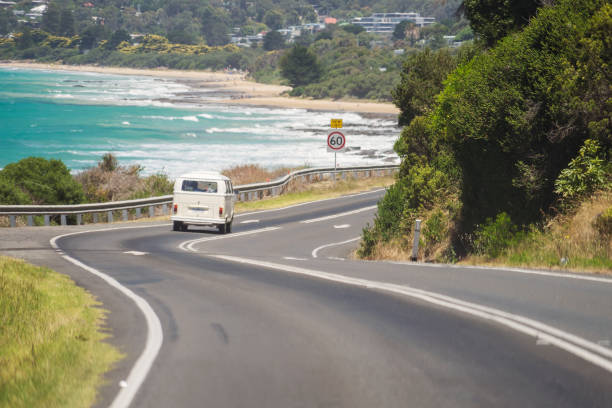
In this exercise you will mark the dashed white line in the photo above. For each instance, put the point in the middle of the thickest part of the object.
(571, 343)
(249, 221)
(188, 245)
(344, 214)
(342, 226)
(317, 249)
(136, 253)
(291, 258)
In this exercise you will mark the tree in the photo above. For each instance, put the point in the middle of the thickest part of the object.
(25, 40)
(300, 66)
(117, 38)
(353, 28)
(422, 79)
(51, 19)
(66, 25)
(515, 116)
(274, 19)
(399, 33)
(7, 21)
(43, 181)
(273, 40)
(494, 19)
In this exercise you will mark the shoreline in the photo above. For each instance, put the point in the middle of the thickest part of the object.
(243, 92)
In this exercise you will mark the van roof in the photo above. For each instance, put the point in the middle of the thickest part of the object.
(206, 175)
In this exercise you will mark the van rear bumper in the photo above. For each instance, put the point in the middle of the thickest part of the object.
(200, 221)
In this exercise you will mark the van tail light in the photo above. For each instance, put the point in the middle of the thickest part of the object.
(220, 211)
(175, 208)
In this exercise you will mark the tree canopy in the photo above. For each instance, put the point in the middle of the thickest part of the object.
(300, 66)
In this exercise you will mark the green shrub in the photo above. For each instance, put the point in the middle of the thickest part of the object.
(435, 228)
(494, 235)
(369, 239)
(44, 181)
(586, 173)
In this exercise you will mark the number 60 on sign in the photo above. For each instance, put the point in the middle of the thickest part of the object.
(336, 142)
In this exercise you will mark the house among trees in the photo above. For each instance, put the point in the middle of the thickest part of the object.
(384, 23)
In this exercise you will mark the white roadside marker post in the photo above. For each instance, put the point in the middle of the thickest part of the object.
(415, 244)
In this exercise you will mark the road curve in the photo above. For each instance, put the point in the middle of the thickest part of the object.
(277, 315)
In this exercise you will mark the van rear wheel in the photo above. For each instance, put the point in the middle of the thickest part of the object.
(177, 226)
(222, 228)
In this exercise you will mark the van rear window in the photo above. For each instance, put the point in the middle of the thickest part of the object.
(199, 186)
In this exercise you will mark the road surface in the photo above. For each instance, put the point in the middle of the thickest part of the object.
(276, 314)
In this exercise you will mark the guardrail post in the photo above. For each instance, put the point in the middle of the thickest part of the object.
(79, 219)
(95, 218)
(63, 219)
(124, 213)
(164, 209)
(137, 212)
(30, 220)
(415, 244)
(12, 221)
(151, 211)
(110, 216)
(47, 220)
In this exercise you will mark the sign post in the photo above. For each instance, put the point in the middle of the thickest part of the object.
(336, 141)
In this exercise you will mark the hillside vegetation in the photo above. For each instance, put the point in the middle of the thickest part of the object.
(195, 35)
(509, 143)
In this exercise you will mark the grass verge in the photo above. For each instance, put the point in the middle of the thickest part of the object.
(316, 191)
(52, 352)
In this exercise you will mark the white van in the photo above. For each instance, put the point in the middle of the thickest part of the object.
(203, 198)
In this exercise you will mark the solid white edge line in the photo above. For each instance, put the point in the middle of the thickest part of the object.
(317, 249)
(567, 275)
(188, 245)
(309, 202)
(330, 217)
(518, 323)
(155, 336)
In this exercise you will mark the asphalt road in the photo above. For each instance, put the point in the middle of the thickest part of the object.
(277, 315)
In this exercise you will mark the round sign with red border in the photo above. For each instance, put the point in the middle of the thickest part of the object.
(336, 142)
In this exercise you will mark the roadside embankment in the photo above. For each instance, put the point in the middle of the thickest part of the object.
(52, 349)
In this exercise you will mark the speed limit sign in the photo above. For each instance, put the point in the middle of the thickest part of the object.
(336, 142)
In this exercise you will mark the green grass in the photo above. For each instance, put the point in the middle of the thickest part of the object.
(317, 191)
(52, 352)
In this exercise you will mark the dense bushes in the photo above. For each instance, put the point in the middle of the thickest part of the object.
(514, 129)
(35, 180)
(41, 181)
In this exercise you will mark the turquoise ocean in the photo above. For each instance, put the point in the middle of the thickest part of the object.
(155, 122)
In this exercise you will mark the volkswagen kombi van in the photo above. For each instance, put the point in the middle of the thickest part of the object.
(203, 198)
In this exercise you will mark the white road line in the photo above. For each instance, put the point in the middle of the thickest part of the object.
(310, 202)
(249, 221)
(136, 253)
(517, 270)
(155, 336)
(342, 226)
(573, 344)
(188, 245)
(317, 249)
(344, 214)
(291, 258)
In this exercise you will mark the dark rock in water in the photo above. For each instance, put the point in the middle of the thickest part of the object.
(353, 148)
(390, 160)
(368, 152)
(389, 151)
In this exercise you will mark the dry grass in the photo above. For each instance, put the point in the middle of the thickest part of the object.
(567, 242)
(253, 173)
(300, 192)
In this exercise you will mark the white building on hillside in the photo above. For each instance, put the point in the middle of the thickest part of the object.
(384, 23)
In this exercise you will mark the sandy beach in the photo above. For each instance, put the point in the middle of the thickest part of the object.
(239, 91)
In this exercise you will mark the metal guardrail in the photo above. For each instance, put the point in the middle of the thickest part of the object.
(247, 192)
